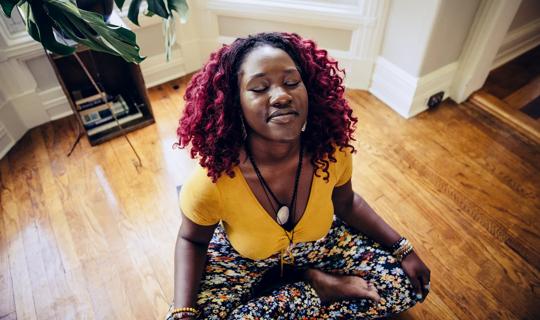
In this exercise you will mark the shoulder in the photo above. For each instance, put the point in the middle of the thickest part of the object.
(343, 165)
(342, 153)
(200, 198)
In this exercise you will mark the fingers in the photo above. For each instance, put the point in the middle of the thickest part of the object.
(365, 289)
(417, 288)
(426, 286)
(373, 293)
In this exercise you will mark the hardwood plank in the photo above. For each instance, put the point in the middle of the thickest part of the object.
(517, 119)
(60, 259)
(420, 202)
(527, 210)
(524, 95)
(7, 303)
(22, 285)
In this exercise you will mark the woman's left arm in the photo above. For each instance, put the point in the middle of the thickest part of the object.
(356, 212)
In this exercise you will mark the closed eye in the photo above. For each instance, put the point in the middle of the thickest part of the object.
(258, 89)
(292, 83)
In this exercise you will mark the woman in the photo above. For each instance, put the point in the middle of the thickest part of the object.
(271, 227)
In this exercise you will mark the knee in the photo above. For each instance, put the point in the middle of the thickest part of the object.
(397, 294)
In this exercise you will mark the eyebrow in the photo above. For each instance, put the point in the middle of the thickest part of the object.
(262, 74)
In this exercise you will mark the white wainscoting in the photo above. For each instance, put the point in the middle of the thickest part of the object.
(405, 94)
(517, 42)
(351, 31)
(6, 142)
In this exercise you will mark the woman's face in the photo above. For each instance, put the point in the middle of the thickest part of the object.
(272, 95)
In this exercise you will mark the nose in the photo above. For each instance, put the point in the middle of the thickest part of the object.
(280, 97)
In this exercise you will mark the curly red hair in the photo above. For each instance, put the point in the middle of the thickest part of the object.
(211, 120)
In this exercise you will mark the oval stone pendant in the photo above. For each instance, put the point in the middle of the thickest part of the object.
(283, 215)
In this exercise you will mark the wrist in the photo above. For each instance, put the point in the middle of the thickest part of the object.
(410, 256)
(175, 313)
(401, 249)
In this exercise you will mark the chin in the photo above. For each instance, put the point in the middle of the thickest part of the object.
(285, 137)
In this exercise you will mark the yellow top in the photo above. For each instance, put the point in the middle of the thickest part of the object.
(250, 229)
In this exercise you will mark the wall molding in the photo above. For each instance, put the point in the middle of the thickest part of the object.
(55, 103)
(406, 94)
(340, 16)
(6, 141)
(491, 22)
(156, 70)
(365, 20)
(517, 42)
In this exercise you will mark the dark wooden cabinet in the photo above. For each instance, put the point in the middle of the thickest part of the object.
(120, 80)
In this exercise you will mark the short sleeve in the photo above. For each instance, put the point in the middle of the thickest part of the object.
(344, 166)
(200, 199)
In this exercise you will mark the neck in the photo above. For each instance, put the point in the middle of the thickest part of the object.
(271, 152)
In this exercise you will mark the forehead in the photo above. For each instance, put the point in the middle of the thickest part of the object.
(266, 59)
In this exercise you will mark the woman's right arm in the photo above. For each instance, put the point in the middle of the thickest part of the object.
(189, 261)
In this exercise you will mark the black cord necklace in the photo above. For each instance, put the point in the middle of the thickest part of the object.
(284, 212)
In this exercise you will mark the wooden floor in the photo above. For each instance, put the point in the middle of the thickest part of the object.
(92, 236)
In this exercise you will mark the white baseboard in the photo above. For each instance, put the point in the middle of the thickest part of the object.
(55, 103)
(432, 83)
(406, 94)
(4, 149)
(518, 42)
(156, 70)
(6, 142)
(12, 127)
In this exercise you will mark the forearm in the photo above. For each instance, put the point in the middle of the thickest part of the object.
(363, 218)
(189, 262)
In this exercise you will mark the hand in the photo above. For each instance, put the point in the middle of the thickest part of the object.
(418, 274)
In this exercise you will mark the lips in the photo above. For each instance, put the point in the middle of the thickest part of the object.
(282, 113)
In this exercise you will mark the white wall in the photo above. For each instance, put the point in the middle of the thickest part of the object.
(422, 45)
(451, 27)
(407, 33)
(351, 29)
(523, 33)
(528, 11)
(449, 46)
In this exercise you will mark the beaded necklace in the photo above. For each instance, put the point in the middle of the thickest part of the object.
(283, 213)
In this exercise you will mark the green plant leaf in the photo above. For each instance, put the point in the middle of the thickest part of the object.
(158, 7)
(31, 26)
(181, 7)
(89, 29)
(43, 25)
(8, 5)
(119, 3)
(133, 12)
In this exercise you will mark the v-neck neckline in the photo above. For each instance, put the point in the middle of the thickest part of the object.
(266, 213)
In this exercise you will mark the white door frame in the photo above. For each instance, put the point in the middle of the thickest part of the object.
(492, 20)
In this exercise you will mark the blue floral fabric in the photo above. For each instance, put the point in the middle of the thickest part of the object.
(227, 287)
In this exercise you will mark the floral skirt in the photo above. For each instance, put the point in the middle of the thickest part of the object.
(227, 287)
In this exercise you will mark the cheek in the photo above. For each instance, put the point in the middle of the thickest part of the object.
(303, 96)
(252, 106)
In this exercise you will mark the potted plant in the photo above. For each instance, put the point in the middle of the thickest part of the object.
(45, 18)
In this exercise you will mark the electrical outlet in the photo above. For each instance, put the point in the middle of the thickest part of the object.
(435, 99)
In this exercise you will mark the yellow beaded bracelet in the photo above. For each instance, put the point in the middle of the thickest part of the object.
(185, 309)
